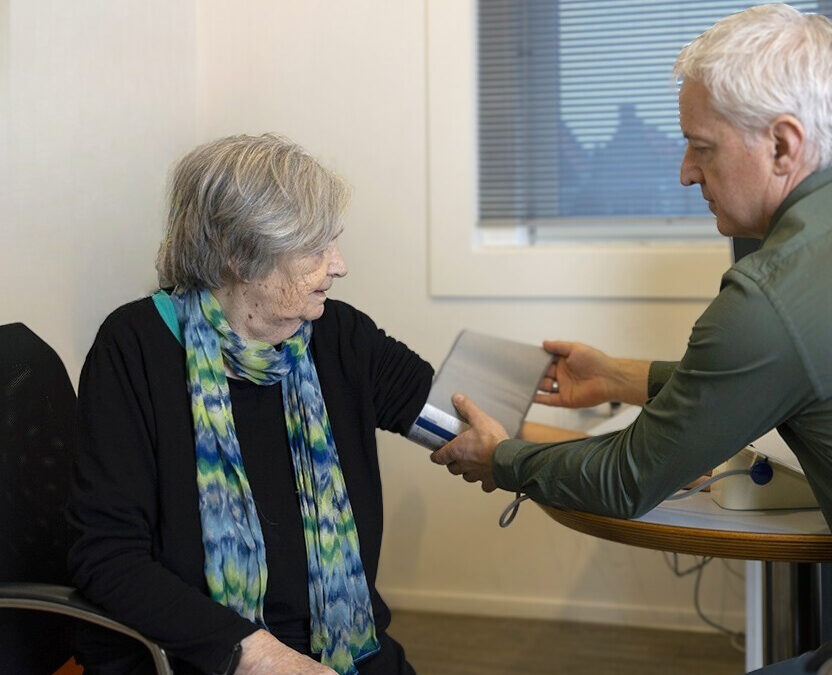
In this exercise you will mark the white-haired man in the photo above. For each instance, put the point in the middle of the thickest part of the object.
(755, 107)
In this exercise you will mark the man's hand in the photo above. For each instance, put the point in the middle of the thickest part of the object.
(471, 454)
(582, 376)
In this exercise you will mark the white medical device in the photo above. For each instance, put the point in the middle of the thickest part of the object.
(786, 489)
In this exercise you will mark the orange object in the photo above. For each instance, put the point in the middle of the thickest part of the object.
(70, 668)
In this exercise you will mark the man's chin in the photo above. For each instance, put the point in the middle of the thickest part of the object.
(726, 227)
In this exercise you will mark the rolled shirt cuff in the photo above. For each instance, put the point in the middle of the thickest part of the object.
(505, 472)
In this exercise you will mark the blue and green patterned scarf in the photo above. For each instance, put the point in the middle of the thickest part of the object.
(343, 629)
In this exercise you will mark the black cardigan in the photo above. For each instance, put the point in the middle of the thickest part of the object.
(138, 551)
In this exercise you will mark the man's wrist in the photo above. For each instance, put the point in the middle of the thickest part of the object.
(502, 467)
(630, 381)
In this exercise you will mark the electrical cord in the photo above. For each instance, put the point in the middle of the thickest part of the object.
(761, 473)
(674, 566)
(737, 574)
(737, 637)
(707, 483)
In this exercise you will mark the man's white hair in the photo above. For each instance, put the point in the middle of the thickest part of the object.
(767, 61)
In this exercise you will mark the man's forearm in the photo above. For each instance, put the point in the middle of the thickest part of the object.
(543, 433)
(628, 381)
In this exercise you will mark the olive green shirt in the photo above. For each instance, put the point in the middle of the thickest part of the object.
(759, 357)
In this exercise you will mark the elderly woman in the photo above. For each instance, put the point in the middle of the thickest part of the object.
(226, 490)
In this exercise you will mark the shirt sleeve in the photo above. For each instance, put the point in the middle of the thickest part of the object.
(113, 509)
(658, 375)
(740, 376)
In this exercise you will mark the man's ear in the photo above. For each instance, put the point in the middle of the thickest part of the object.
(789, 144)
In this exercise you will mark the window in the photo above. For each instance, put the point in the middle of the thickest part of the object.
(523, 258)
(578, 120)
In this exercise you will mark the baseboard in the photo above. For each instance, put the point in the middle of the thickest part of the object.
(681, 618)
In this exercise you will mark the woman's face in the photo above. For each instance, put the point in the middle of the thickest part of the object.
(296, 289)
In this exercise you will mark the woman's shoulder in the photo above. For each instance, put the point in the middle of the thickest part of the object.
(340, 313)
(344, 325)
(128, 315)
(135, 322)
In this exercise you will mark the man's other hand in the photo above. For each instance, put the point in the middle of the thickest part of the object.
(471, 454)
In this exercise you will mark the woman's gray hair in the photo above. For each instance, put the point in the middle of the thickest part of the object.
(767, 61)
(240, 203)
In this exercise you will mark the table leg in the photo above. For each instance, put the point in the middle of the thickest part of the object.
(796, 608)
(753, 615)
(825, 604)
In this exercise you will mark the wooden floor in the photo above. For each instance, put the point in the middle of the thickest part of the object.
(442, 644)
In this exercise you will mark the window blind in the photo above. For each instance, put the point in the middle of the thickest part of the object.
(578, 113)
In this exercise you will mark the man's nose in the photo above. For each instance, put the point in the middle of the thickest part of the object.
(689, 174)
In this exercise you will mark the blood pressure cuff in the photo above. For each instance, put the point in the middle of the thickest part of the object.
(500, 376)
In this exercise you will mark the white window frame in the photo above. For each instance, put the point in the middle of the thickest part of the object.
(463, 264)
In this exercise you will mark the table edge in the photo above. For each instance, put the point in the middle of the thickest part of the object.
(737, 544)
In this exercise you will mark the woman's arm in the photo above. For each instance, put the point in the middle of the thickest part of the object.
(264, 654)
(398, 379)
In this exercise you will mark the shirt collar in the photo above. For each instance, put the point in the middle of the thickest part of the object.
(812, 182)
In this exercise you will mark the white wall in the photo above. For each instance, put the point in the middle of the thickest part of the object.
(100, 99)
(103, 96)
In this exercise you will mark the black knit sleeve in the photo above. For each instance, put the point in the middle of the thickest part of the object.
(114, 512)
(401, 383)
(398, 377)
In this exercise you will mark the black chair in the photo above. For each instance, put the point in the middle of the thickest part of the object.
(37, 408)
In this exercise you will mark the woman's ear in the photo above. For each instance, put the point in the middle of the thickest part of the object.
(789, 141)
(236, 275)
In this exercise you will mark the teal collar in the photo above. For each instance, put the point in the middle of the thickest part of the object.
(164, 305)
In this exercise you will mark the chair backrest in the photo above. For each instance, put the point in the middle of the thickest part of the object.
(37, 410)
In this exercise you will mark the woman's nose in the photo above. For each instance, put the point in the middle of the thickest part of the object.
(337, 264)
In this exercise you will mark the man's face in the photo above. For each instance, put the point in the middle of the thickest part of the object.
(736, 178)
